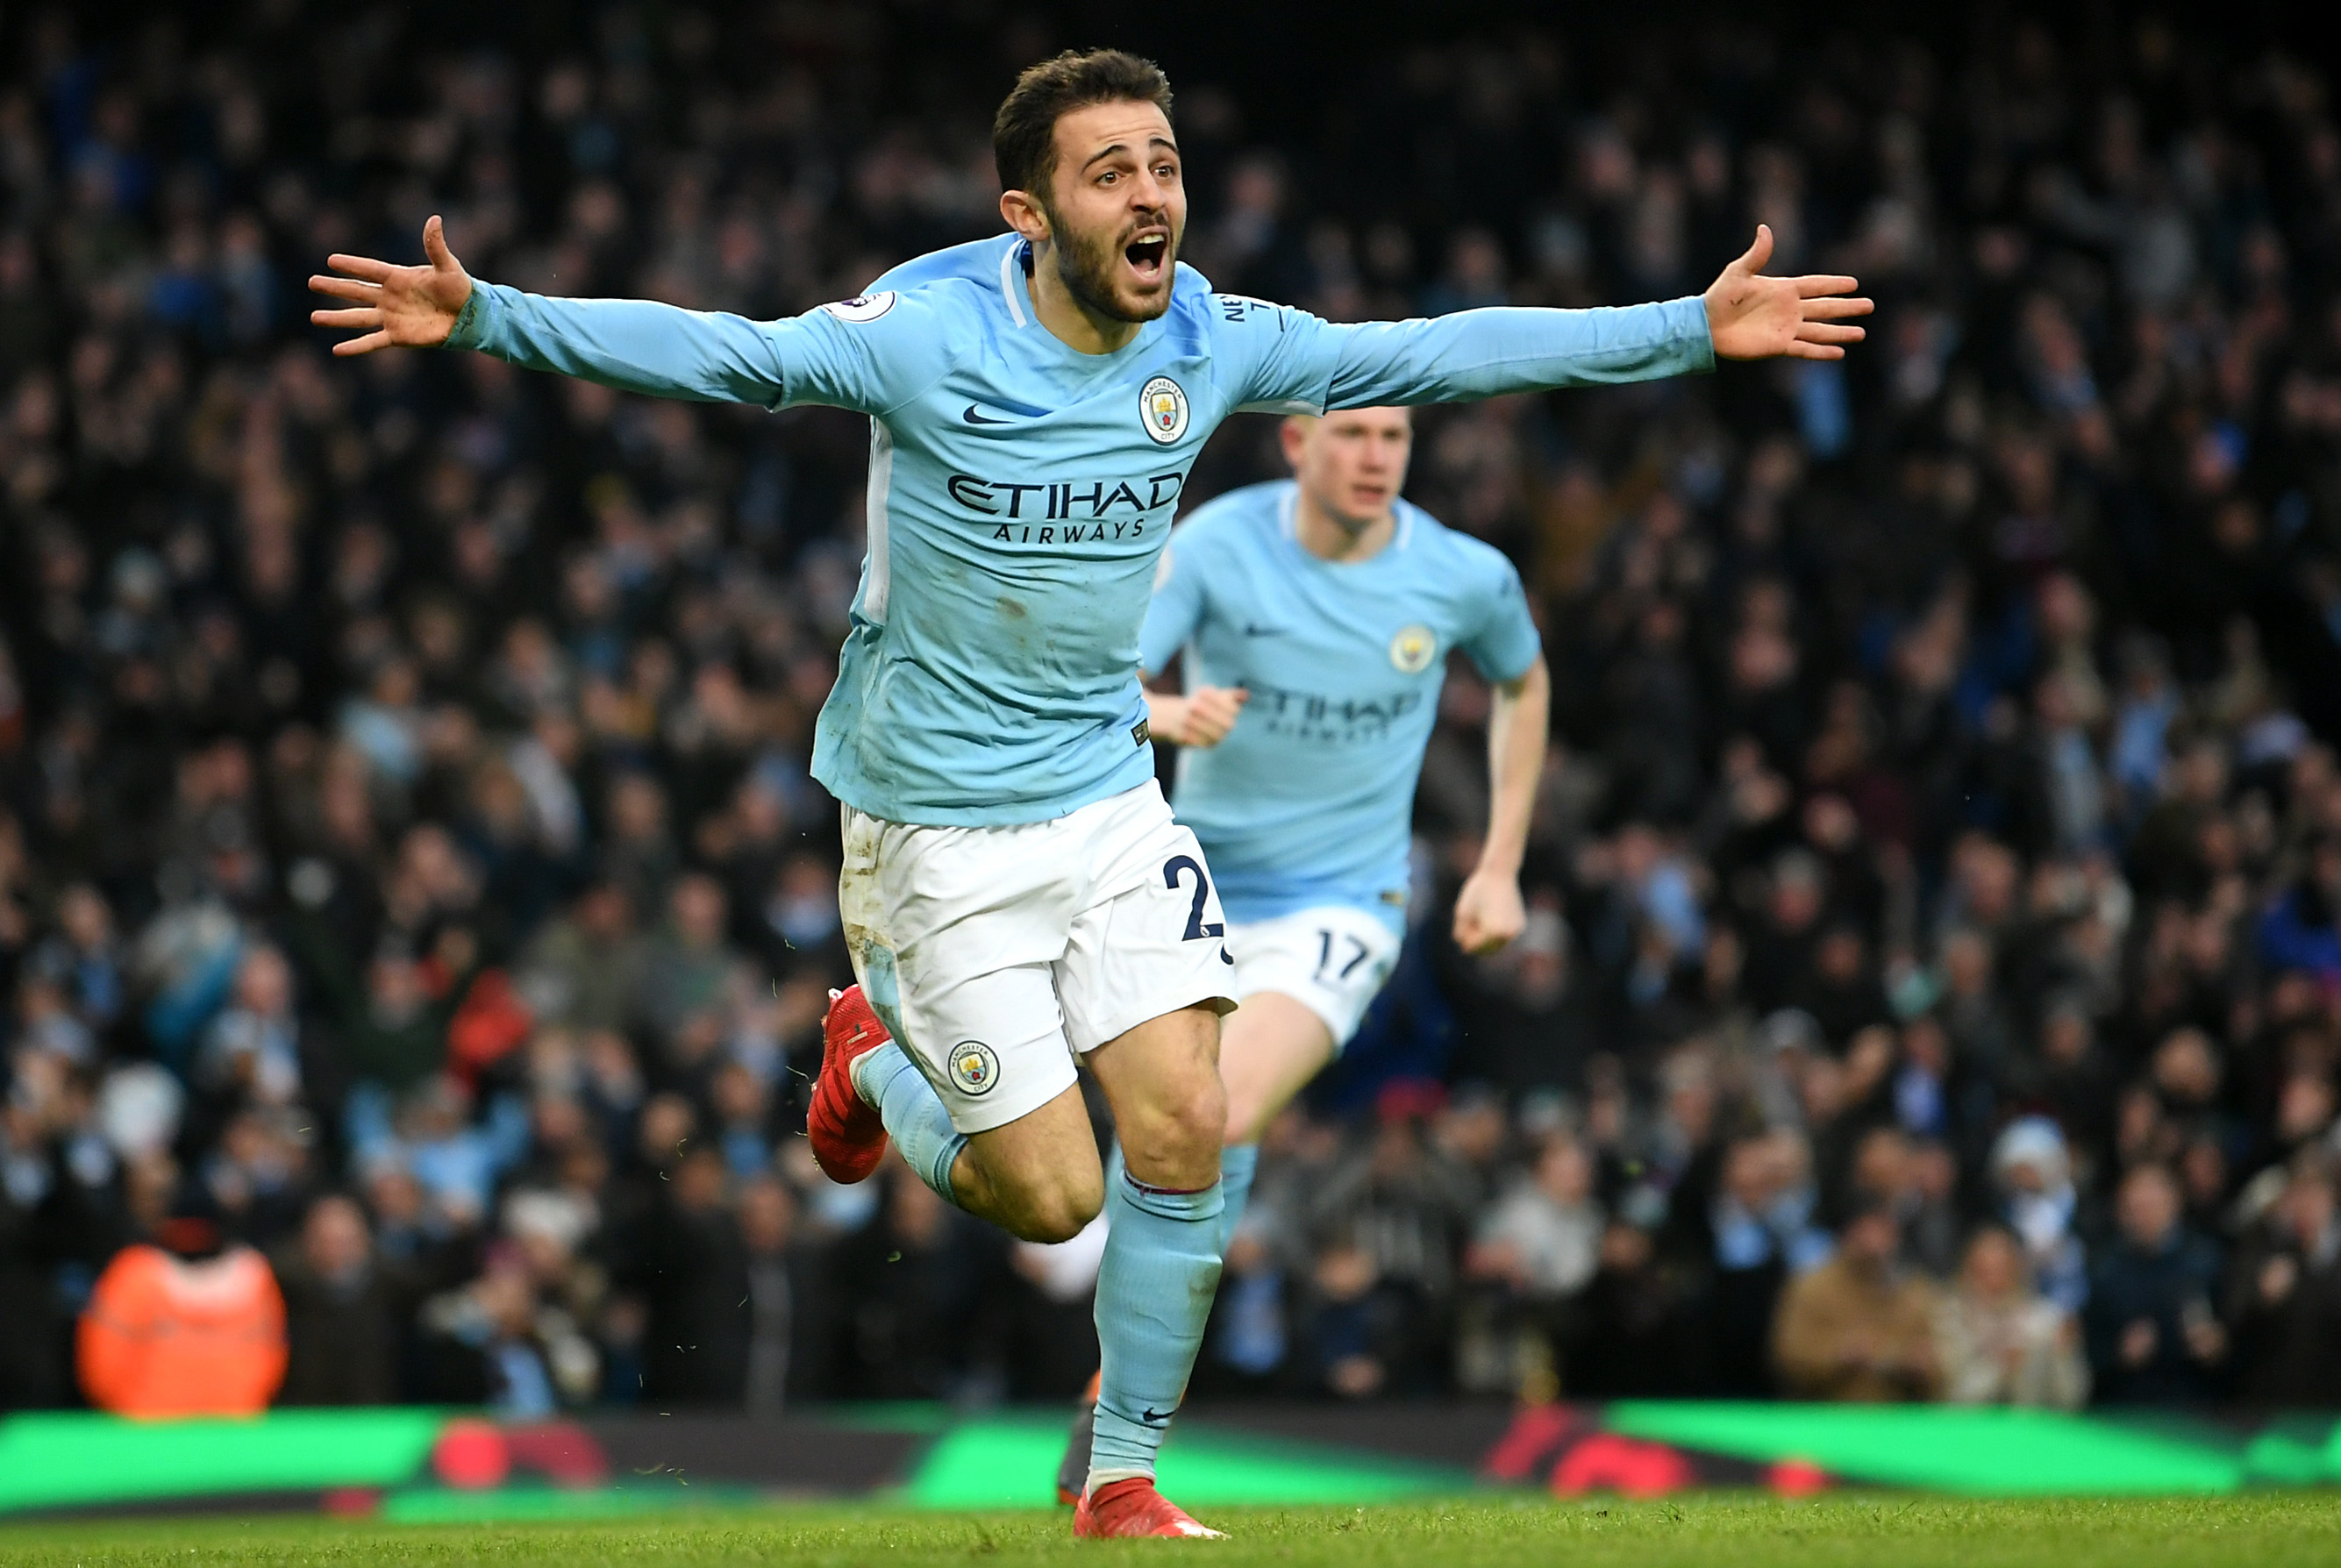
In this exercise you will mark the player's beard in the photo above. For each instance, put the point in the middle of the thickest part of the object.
(1088, 265)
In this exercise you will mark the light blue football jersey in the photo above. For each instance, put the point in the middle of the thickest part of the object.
(1019, 491)
(1309, 799)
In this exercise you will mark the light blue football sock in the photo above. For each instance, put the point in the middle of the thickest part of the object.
(1154, 1291)
(1238, 1165)
(1238, 1162)
(913, 1113)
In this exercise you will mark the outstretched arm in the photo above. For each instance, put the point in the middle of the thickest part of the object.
(1488, 910)
(1305, 364)
(635, 345)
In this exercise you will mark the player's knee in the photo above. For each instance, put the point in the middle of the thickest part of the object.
(1050, 1204)
(1188, 1125)
(1058, 1225)
(1203, 1117)
(1059, 1211)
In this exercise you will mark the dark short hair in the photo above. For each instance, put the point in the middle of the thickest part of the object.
(1024, 132)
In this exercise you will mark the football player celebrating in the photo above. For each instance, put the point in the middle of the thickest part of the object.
(1015, 892)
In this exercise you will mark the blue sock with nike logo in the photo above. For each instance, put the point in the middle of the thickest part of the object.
(1154, 1293)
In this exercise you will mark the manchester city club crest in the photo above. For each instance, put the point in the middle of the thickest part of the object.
(1412, 648)
(975, 1067)
(1163, 408)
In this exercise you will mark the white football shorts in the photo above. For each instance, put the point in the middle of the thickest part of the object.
(998, 955)
(1332, 959)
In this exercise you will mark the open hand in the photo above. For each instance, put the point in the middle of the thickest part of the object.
(395, 307)
(1489, 912)
(1753, 317)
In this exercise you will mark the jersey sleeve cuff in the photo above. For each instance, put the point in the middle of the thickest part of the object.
(1687, 319)
(476, 320)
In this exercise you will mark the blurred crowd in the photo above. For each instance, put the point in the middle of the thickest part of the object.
(409, 874)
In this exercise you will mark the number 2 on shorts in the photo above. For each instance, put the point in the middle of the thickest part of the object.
(1197, 931)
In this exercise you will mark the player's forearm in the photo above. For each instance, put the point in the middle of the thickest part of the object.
(1487, 352)
(635, 345)
(1516, 743)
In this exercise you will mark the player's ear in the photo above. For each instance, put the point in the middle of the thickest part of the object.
(1293, 433)
(1024, 215)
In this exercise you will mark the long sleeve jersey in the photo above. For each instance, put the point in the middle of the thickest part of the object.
(1021, 491)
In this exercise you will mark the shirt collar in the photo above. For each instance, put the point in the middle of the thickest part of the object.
(1011, 278)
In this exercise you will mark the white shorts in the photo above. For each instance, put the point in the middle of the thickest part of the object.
(996, 955)
(1331, 960)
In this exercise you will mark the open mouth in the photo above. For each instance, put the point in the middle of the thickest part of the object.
(1148, 256)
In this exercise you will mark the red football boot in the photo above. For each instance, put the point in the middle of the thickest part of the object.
(1133, 1508)
(848, 1137)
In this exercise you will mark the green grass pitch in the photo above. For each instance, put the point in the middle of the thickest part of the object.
(2267, 1530)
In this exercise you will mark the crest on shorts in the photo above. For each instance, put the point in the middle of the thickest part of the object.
(975, 1067)
(1411, 650)
(1163, 408)
(861, 307)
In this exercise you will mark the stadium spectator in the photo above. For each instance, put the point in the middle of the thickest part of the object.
(2154, 1334)
(1861, 1325)
(1389, 1219)
(1537, 1247)
(1631, 1333)
(920, 1293)
(2284, 1295)
(183, 1325)
(579, 968)
(1542, 1237)
(768, 1231)
(491, 1342)
(345, 1315)
(2000, 1342)
(692, 1273)
(1763, 1236)
(2038, 1203)
(53, 1219)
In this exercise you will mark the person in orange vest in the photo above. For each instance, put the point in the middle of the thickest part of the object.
(182, 1326)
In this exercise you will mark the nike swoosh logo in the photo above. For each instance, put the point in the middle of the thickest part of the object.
(974, 418)
(1252, 630)
(1153, 1417)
